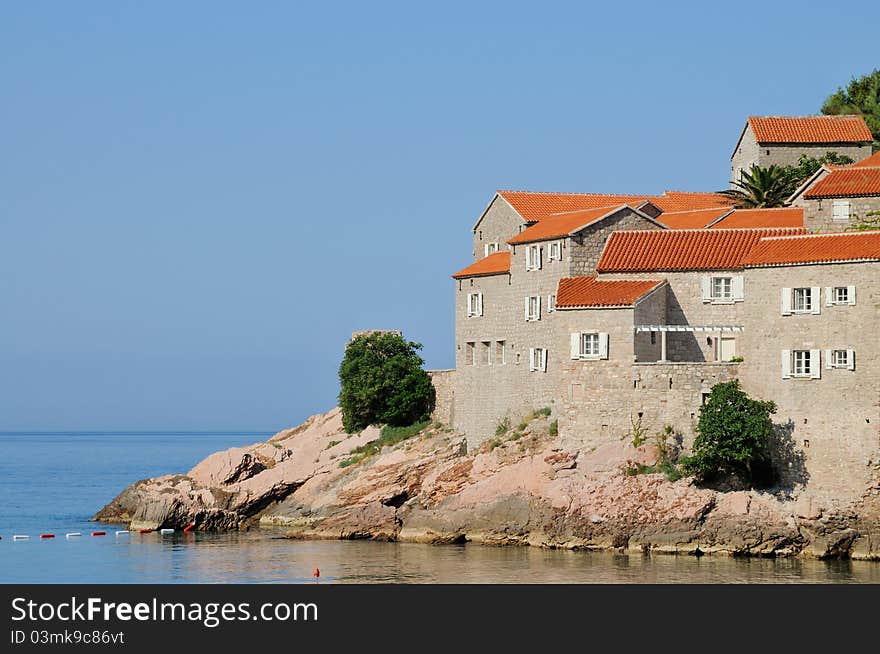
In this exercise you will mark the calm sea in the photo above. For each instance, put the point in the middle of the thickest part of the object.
(55, 482)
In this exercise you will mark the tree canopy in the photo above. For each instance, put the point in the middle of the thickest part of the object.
(760, 187)
(382, 382)
(861, 96)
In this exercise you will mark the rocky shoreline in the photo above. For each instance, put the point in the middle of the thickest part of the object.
(519, 490)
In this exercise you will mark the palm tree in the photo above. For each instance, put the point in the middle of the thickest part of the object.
(760, 187)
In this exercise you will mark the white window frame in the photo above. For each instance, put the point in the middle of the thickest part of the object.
(502, 347)
(806, 361)
(537, 359)
(470, 347)
(811, 293)
(554, 251)
(490, 248)
(474, 304)
(735, 286)
(718, 292)
(841, 211)
(533, 257)
(580, 351)
(833, 293)
(551, 302)
(840, 359)
(533, 315)
(487, 345)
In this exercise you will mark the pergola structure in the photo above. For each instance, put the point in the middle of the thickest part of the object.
(664, 329)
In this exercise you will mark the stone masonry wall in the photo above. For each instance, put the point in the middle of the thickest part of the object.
(499, 224)
(831, 425)
(819, 213)
(444, 406)
(587, 245)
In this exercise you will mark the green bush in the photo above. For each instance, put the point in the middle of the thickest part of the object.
(733, 435)
(382, 382)
(554, 428)
(503, 426)
(543, 412)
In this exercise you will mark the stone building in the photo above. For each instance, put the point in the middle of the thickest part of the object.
(613, 310)
(781, 140)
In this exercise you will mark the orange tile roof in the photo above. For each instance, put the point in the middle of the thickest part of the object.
(692, 249)
(761, 218)
(495, 264)
(871, 162)
(846, 182)
(815, 248)
(576, 292)
(810, 129)
(562, 224)
(536, 206)
(693, 219)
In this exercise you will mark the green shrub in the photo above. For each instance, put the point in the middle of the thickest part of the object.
(332, 444)
(382, 382)
(554, 428)
(494, 443)
(733, 435)
(522, 426)
(516, 436)
(391, 435)
(546, 411)
(503, 426)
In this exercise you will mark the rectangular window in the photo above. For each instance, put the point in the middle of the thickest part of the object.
(470, 354)
(533, 308)
(841, 295)
(490, 248)
(474, 304)
(802, 300)
(840, 211)
(500, 353)
(801, 363)
(486, 353)
(840, 359)
(537, 359)
(533, 257)
(554, 251)
(551, 303)
(590, 345)
(722, 288)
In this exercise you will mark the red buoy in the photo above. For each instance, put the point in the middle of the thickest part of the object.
(145, 531)
(316, 573)
(99, 533)
(47, 535)
(189, 527)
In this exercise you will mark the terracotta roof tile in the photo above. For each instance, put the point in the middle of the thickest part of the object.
(815, 248)
(846, 182)
(562, 224)
(670, 250)
(761, 218)
(693, 219)
(575, 292)
(810, 129)
(495, 264)
(871, 162)
(535, 206)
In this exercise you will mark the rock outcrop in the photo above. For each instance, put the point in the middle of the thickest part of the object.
(524, 490)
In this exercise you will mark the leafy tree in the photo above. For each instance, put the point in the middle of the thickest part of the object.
(807, 166)
(861, 96)
(760, 187)
(733, 434)
(382, 382)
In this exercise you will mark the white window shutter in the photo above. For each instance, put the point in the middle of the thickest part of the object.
(486, 250)
(544, 359)
(538, 313)
(480, 304)
(851, 294)
(786, 302)
(705, 288)
(527, 308)
(470, 304)
(851, 359)
(737, 288)
(603, 346)
(576, 346)
(815, 364)
(829, 296)
(538, 251)
(786, 364)
(528, 257)
(828, 360)
(531, 358)
(814, 298)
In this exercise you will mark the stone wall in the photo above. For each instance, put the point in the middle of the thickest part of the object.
(444, 389)
(499, 223)
(586, 246)
(819, 213)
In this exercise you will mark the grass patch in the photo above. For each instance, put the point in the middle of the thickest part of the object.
(494, 443)
(522, 426)
(516, 436)
(554, 428)
(672, 471)
(543, 412)
(388, 436)
(332, 444)
(503, 426)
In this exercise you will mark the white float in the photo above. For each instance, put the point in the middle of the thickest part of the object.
(73, 534)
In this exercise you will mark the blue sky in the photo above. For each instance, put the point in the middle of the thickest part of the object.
(200, 201)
